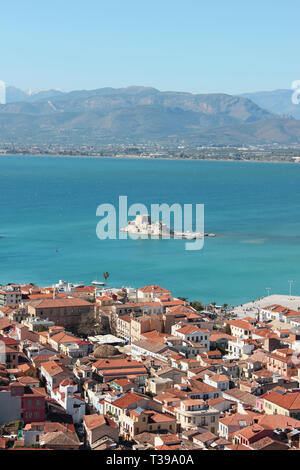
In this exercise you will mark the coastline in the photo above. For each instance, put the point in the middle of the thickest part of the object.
(136, 157)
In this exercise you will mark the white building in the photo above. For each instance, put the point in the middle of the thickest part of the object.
(219, 381)
(192, 334)
(65, 395)
(238, 348)
(278, 313)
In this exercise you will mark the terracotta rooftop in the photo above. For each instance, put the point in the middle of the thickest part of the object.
(154, 288)
(52, 368)
(95, 420)
(60, 303)
(127, 400)
(288, 401)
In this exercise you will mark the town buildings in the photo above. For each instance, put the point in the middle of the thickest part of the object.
(162, 376)
(63, 312)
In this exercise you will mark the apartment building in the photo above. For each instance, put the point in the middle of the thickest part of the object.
(10, 296)
(193, 334)
(97, 427)
(151, 291)
(110, 369)
(66, 312)
(117, 408)
(283, 403)
(140, 420)
(278, 313)
(282, 362)
(19, 402)
(143, 324)
(192, 413)
(240, 328)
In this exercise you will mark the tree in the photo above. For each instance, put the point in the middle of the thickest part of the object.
(197, 305)
(40, 328)
(105, 275)
(89, 326)
(227, 329)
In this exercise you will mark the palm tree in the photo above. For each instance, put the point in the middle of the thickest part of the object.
(105, 275)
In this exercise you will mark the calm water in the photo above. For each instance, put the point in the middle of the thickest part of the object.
(49, 204)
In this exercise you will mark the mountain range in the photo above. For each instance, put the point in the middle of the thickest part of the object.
(145, 114)
(277, 101)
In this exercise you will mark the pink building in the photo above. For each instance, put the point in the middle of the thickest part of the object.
(21, 403)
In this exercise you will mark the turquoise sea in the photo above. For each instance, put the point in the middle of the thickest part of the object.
(48, 225)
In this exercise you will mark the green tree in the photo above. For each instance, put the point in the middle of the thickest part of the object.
(197, 305)
(88, 326)
(106, 275)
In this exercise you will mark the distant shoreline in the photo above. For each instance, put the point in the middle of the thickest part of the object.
(135, 157)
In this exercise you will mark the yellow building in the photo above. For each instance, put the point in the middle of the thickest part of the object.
(287, 404)
(139, 420)
(193, 413)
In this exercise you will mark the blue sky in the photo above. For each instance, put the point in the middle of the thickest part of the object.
(199, 46)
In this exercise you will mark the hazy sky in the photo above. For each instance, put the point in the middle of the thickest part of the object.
(200, 46)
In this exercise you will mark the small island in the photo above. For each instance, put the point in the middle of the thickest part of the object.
(142, 225)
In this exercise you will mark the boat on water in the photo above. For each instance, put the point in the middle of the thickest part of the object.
(98, 283)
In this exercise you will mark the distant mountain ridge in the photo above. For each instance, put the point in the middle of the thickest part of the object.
(139, 114)
(14, 94)
(276, 101)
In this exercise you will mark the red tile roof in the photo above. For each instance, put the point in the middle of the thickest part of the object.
(154, 288)
(95, 420)
(128, 399)
(60, 303)
(288, 401)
